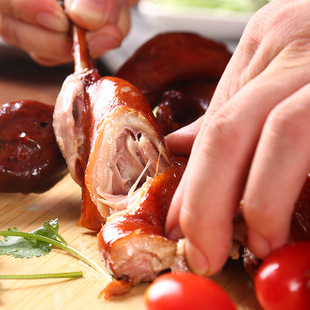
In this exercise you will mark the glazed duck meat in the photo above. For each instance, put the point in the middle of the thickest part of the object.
(173, 61)
(109, 138)
(116, 152)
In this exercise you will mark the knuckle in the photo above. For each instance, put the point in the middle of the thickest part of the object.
(287, 123)
(188, 218)
(256, 213)
(222, 131)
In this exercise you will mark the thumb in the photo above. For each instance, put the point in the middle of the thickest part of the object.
(93, 14)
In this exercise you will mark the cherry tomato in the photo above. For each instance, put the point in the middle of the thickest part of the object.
(186, 291)
(283, 280)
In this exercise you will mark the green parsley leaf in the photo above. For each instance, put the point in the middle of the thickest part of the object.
(40, 242)
(21, 247)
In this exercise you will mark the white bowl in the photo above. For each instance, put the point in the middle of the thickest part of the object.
(212, 23)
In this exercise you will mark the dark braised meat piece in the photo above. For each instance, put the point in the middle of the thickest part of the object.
(174, 58)
(30, 160)
(300, 229)
(181, 107)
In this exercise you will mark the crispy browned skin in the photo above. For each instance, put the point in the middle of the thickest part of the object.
(117, 153)
(81, 114)
(171, 59)
(90, 216)
(30, 160)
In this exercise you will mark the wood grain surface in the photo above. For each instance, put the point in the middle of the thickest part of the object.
(28, 212)
(20, 78)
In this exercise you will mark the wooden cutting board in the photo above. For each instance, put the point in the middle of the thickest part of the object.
(28, 212)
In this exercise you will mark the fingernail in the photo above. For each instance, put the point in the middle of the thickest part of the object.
(56, 22)
(93, 11)
(102, 43)
(258, 244)
(196, 260)
(175, 233)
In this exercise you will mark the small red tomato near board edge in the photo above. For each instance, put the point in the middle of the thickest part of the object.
(182, 291)
(283, 279)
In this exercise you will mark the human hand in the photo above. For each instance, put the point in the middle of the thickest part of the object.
(41, 27)
(253, 143)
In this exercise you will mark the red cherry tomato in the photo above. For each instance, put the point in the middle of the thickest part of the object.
(186, 291)
(283, 280)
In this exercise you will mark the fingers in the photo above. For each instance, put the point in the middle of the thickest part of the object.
(180, 142)
(56, 47)
(110, 36)
(38, 27)
(246, 118)
(213, 184)
(279, 169)
(94, 14)
(48, 13)
(108, 22)
(41, 28)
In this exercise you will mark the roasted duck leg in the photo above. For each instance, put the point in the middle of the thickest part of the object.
(116, 152)
(107, 133)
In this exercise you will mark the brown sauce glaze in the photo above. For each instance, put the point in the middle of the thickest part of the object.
(30, 160)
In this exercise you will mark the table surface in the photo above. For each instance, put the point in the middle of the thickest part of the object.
(21, 78)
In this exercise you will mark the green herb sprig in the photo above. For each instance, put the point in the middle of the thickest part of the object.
(38, 243)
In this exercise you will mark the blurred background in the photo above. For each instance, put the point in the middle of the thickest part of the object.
(222, 20)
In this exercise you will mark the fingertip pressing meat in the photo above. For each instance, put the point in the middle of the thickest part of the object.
(300, 230)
